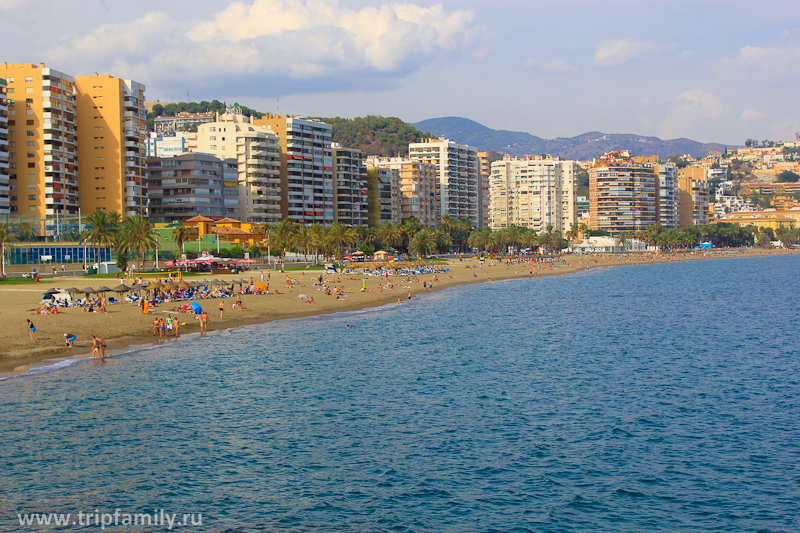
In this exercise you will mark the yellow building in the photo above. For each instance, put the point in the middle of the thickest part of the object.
(111, 152)
(42, 142)
(693, 194)
(4, 187)
(754, 219)
(784, 202)
(418, 186)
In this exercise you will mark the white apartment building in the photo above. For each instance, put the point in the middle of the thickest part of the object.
(255, 149)
(4, 185)
(459, 176)
(668, 195)
(532, 192)
(166, 145)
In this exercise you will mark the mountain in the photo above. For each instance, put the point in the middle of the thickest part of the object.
(582, 147)
(375, 135)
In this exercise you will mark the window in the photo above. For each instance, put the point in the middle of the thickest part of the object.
(31, 176)
(31, 197)
(29, 133)
(28, 101)
(29, 79)
(31, 187)
(30, 122)
(31, 144)
(29, 112)
(10, 90)
(12, 144)
(31, 208)
(12, 122)
(31, 155)
(29, 90)
(31, 165)
(10, 80)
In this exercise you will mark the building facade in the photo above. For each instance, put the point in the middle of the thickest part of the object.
(230, 175)
(668, 197)
(622, 195)
(306, 168)
(694, 195)
(533, 192)
(4, 185)
(184, 186)
(166, 145)
(42, 143)
(484, 195)
(459, 176)
(255, 149)
(383, 195)
(112, 152)
(350, 186)
(183, 121)
(418, 187)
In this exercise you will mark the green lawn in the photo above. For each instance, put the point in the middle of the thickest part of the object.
(22, 281)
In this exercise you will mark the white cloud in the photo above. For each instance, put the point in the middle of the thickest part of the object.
(612, 52)
(748, 114)
(559, 65)
(764, 64)
(695, 109)
(280, 39)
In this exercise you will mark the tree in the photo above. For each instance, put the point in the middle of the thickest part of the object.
(180, 235)
(139, 235)
(303, 239)
(787, 176)
(423, 243)
(6, 236)
(101, 233)
(255, 251)
(120, 245)
(339, 236)
(390, 234)
(283, 234)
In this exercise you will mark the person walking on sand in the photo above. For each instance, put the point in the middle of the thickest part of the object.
(32, 330)
(99, 347)
(69, 338)
(204, 320)
(221, 309)
(37, 279)
(175, 324)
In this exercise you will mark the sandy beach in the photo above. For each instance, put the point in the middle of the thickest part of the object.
(123, 325)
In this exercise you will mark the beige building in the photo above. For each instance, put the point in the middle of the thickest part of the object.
(459, 176)
(532, 192)
(623, 194)
(4, 186)
(383, 198)
(306, 168)
(418, 184)
(484, 199)
(112, 151)
(693, 193)
(255, 149)
(350, 186)
(42, 142)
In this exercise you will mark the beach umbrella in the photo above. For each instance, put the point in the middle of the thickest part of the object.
(154, 286)
(121, 288)
(52, 291)
(184, 285)
(103, 288)
(261, 286)
(72, 290)
(139, 286)
(87, 290)
(170, 287)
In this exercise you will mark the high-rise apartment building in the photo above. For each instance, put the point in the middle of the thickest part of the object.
(484, 198)
(255, 148)
(184, 186)
(668, 199)
(622, 194)
(350, 186)
(4, 185)
(42, 143)
(383, 195)
(694, 193)
(533, 192)
(418, 186)
(112, 154)
(459, 176)
(230, 175)
(306, 168)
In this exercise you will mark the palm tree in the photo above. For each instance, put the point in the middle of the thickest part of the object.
(410, 228)
(340, 236)
(443, 242)
(103, 226)
(138, 235)
(423, 243)
(27, 232)
(6, 236)
(390, 234)
(284, 235)
(120, 244)
(317, 232)
(303, 239)
(180, 235)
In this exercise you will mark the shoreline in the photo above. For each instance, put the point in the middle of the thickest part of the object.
(18, 362)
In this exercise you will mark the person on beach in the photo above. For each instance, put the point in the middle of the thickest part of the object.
(204, 320)
(98, 347)
(37, 279)
(221, 309)
(155, 327)
(69, 338)
(32, 330)
(169, 325)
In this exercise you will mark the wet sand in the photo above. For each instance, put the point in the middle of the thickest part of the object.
(123, 325)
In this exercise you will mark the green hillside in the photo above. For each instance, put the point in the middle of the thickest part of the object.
(375, 135)
(172, 109)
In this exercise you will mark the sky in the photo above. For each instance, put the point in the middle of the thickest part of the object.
(708, 70)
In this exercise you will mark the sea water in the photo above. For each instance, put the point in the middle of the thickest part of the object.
(643, 398)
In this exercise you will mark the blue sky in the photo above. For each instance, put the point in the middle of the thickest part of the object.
(712, 71)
